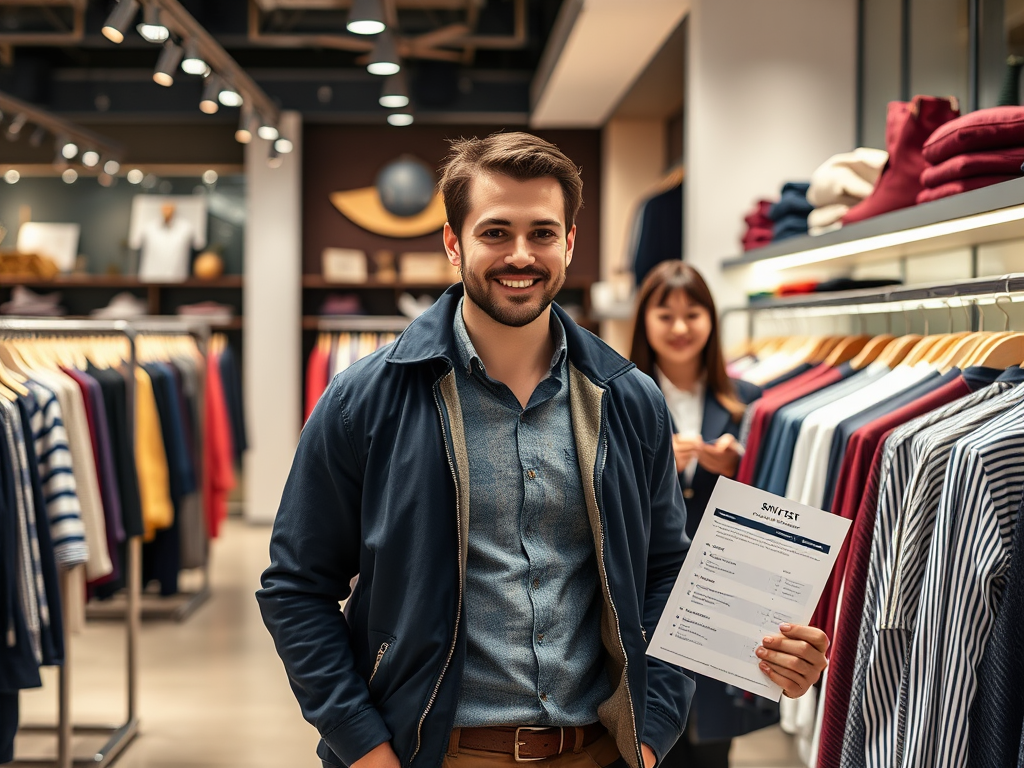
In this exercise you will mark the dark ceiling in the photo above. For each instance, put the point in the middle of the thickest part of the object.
(296, 54)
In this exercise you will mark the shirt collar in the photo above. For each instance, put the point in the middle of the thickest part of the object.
(468, 355)
(670, 390)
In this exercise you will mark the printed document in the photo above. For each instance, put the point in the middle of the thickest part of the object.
(757, 561)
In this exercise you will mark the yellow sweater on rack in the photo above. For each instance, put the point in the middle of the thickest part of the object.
(151, 460)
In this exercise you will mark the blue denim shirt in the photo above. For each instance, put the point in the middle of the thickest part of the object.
(533, 609)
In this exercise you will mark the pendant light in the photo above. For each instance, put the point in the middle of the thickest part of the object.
(211, 88)
(151, 28)
(193, 63)
(366, 18)
(228, 96)
(167, 64)
(119, 19)
(267, 131)
(400, 119)
(244, 133)
(395, 93)
(384, 58)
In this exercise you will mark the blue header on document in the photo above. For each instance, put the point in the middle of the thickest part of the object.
(793, 538)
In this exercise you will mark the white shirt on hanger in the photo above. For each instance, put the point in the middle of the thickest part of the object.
(166, 251)
(687, 409)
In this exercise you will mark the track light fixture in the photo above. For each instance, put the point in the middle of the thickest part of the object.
(167, 64)
(366, 18)
(283, 145)
(211, 88)
(384, 58)
(119, 20)
(70, 176)
(267, 131)
(274, 159)
(12, 176)
(193, 63)
(111, 167)
(395, 93)
(68, 149)
(400, 119)
(151, 28)
(228, 96)
(245, 119)
(90, 158)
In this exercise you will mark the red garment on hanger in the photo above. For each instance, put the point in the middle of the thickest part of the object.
(218, 451)
(317, 377)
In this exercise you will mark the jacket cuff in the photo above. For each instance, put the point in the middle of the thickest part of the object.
(661, 732)
(355, 737)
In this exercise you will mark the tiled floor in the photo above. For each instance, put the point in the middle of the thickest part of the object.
(212, 691)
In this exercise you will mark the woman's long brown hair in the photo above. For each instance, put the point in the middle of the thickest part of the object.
(660, 282)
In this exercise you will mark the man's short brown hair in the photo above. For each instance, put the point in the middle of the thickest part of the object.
(520, 156)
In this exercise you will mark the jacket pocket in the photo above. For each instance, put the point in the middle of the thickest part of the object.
(380, 646)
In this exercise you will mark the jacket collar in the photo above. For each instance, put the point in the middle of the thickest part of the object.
(431, 336)
(716, 418)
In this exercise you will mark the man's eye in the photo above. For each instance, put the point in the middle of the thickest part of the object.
(493, 233)
(545, 233)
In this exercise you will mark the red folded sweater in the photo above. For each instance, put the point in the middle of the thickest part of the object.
(959, 186)
(1001, 162)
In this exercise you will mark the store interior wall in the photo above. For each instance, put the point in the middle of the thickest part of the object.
(272, 342)
(771, 93)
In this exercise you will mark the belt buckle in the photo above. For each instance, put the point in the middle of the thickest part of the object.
(517, 743)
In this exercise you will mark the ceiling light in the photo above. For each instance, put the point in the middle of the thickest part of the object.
(208, 103)
(244, 133)
(167, 64)
(366, 18)
(192, 63)
(401, 119)
(268, 131)
(395, 93)
(210, 177)
(135, 176)
(111, 167)
(384, 58)
(229, 97)
(106, 180)
(151, 28)
(90, 158)
(12, 176)
(70, 176)
(68, 149)
(36, 139)
(274, 159)
(284, 146)
(119, 19)
(14, 129)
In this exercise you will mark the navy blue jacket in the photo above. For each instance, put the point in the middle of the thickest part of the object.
(379, 488)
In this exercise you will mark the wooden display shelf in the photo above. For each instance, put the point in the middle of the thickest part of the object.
(117, 281)
(318, 282)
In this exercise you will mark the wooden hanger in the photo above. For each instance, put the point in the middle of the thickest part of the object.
(921, 349)
(1004, 353)
(871, 351)
(898, 349)
(847, 348)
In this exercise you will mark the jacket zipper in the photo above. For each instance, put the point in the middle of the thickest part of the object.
(458, 610)
(611, 601)
(380, 655)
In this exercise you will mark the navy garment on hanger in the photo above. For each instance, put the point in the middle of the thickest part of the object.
(232, 384)
(661, 232)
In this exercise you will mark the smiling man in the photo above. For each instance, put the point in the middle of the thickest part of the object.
(504, 486)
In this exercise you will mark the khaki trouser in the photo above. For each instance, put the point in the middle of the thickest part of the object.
(600, 754)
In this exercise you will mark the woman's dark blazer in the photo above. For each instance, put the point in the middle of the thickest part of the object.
(720, 711)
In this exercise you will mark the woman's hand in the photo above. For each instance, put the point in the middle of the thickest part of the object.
(721, 457)
(795, 659)
(686, 450)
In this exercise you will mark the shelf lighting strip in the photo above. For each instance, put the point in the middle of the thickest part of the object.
(894, 239)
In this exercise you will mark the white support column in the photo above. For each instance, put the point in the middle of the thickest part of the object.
(770, 96)
(273, 319)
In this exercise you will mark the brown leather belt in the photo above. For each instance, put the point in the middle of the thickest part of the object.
(528, 743)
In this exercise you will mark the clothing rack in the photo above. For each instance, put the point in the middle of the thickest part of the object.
(184, 604)
(364, 324)
(119, 736)
(975, 292)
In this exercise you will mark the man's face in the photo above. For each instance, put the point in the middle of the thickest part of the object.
(514, 247)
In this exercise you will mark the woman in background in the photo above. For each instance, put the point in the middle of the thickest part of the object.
(675, 341)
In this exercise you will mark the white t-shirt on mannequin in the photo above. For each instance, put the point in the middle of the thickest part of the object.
(166, 251)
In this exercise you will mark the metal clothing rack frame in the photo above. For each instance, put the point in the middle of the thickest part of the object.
(184, 604)
(119, 736)
(973, 291)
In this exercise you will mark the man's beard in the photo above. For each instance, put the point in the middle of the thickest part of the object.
(517, 311)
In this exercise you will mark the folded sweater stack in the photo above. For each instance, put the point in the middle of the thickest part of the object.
(973, 151)
(841, 182)
(759, 227)
(789, 215)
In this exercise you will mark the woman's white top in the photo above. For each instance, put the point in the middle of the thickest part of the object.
(687, 409)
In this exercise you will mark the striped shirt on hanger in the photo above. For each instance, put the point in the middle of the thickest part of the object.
(57, 476)
(872, 707)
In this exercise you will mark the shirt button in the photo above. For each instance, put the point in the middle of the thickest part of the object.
(543, 697)
(536, 583)
(540, 637)
(688, 493)
(531, 474)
